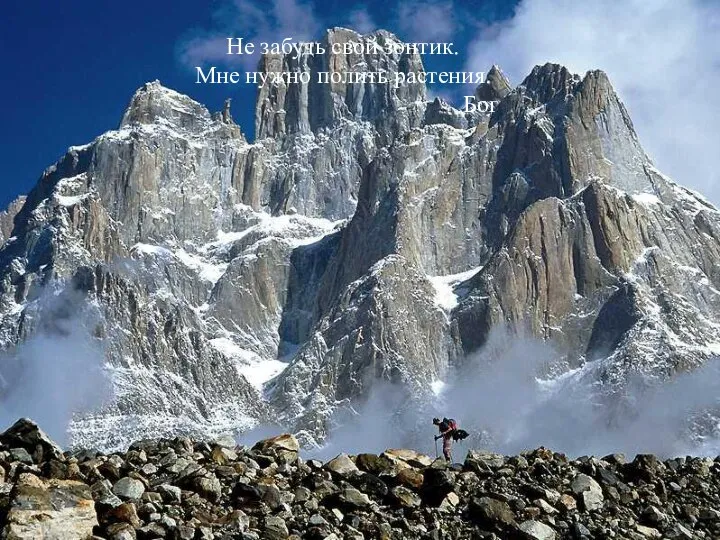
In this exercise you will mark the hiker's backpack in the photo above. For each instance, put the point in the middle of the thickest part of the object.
(460, 434)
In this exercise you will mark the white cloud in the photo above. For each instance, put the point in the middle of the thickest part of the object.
(254, 22)
(361, 21)
(662, 56)
(427, 21)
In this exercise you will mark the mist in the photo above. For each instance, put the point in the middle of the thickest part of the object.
(514, 395)
(57, 372)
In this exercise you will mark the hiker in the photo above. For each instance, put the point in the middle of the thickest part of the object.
(446, 427)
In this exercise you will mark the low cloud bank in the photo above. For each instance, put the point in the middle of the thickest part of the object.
(506, 398)
(57, 371)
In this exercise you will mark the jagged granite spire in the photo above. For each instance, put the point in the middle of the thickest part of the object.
(302, 108)
(495, 87)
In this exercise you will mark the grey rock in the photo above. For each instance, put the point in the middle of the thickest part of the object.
(129, 488)
(589, 490)
(170, 494)
(341, 465)
(536, 530)
(20, 454)
(103, 495)
(489, 511)
(351, 497)
(208, 487)
(121, 531)
(405, 497)
(275, 528)
(484, 461)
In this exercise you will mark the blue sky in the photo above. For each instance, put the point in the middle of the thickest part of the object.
(70, 68)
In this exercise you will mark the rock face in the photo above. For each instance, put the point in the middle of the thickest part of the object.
(366, 235)
(7, 218)
(306, 108)
(52, 509)
(256, 493)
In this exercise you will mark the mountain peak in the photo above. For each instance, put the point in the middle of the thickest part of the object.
(153, 102)
(495, 87)
(546, 82)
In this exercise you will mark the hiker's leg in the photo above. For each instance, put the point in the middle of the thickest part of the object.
(446, 448)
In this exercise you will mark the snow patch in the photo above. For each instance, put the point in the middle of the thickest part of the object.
(207, 271)
(65, 200)
(445, 295)
(256, 370)
(296, 230)
(149, 249)
(646, 198)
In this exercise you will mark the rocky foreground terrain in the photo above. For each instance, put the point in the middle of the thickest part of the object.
(184, 489)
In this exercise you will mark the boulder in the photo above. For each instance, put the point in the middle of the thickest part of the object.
(226, 441)
(405, 497)
(370, 485)
(120, 531)
(645, 467)
(170, 494)
(270, 494)
(341, 465)
(567, 503)
(648, 532)
(436, 485)
(125, 513)
(103, 495)
(27, 435)
(222, 455)
(409, 457)
(410, 478)
(284, 448)
(50, 510)
(129, 488)
(377, 465)
(275, 528)
(352, 498)
(589, 490)
(486, 511)
(483, 462)
(535, 530)
(207, 486)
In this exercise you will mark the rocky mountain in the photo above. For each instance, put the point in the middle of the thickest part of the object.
(188, 490)
(7, 217)
(367, 234)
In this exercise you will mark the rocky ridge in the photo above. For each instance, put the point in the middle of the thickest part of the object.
(366, 235)
(185, 489)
